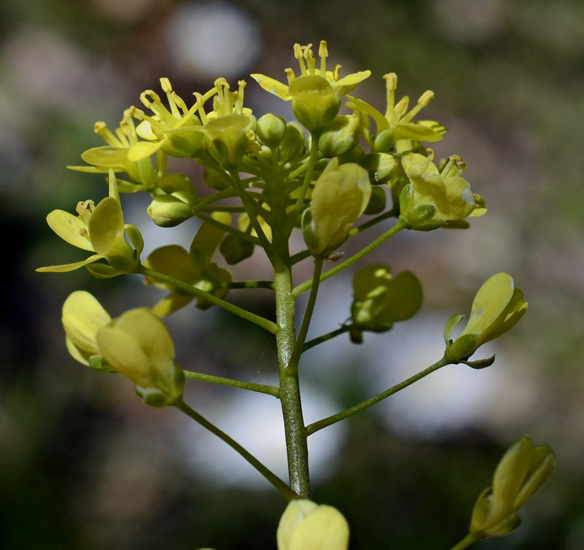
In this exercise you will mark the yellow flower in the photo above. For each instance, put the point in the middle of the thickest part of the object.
(520, 473)
(396, 123)
(138, 346)
(170, 131)
(434, 198)
(316, 93)
(497, 308)
(83, 316)
(309, 526)
(98, 229)
(115, 155)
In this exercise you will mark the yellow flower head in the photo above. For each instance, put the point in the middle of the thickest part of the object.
(98, 229)
(396, 124)
(115, 154)
(520, 473)
(316, 93)
(306, 525)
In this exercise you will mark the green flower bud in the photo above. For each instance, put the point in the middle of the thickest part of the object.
(497, 307)
(340, 196)
(235, 249)
(271, 130)
(520, 473)
(169, 211)
(340, 136)
(380, 166)
(138, 345)
(309, 526)
(293, 143)
(314, 101)
(379, 300)
(377, 201)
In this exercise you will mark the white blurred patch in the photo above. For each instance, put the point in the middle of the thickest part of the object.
(212, 39)
(255, 422)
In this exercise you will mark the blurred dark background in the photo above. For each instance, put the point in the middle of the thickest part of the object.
(84, 465)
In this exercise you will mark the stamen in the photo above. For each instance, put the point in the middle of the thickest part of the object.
(323, 53)
(101, 129)
(200, 101)
(165, 84)
(390, 85)
(290, 75)
(425, 98)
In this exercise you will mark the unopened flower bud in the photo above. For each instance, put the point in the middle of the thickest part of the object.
(306, 525)
(294, 141)
(340, 196)
(226, 139)
(340, 136)
(169, 211)
(271, 129)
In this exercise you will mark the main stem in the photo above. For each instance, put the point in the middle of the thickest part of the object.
(295, 431)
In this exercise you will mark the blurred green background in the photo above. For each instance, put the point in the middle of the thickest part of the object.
(84, 465)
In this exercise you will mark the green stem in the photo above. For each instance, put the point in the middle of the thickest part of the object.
(194, 291)
(303, 287)
(227, 228)
(301, 338)
(465, 542)
(295, 431)
(284, 490)
(251, 208)
(325, 337)
(320, 424)
(260, 388)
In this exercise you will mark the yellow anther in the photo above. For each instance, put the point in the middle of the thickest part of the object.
(165, 84)
(426, 97)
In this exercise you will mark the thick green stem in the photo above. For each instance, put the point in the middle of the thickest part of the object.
(320, 424)
(295, 431)
(194, 291)
(286, 492)
(465, 542)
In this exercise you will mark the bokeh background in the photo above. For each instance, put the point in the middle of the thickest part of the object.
(84, 465)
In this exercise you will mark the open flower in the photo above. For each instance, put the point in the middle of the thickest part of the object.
(434, 198)
(114, 155)
(167, 130)
(83, 316)
(316, 93)
(520, 473)
(396, 123)
(497, 308)
(98, 229)
(306, 525)
(138, 345)
(340, 196)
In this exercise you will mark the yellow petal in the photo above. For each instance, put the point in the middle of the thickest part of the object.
(273, 86)
(144, 149)
(69, 267)
(70, 228)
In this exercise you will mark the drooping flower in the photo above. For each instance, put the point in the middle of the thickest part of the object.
(306, 525)
(340, 196)
(520, 473)
(497, 308)
(98, 229)
(396, 124)
(316, 93)
(83, 316)
(138, 346)
(434, 198)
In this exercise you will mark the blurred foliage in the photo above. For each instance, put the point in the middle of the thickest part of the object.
(509, 84)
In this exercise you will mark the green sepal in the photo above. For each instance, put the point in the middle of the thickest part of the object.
(98, 362)
(135, 237)
(462, 348)
(450, 326)
(103, 271)
(480, 363)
